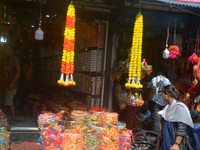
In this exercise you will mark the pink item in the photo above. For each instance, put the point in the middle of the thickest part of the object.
(174, 55)
(194, 59)
(195, 70)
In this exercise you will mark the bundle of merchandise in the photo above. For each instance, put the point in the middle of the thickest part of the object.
(4, 138)
(46, 119)
(77, 105)
(52, 137)
(3, 120)
(174, 52)
(88, 133)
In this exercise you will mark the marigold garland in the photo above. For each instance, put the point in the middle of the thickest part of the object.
(67, 65)
(136, 52)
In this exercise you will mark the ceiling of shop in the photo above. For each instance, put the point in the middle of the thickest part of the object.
(157, 13)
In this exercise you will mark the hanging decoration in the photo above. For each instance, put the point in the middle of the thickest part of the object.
(39, 34)
(146, 68)
(67, 66)
(136, 52)
(194, 59)
(166, 51)
(174, 52)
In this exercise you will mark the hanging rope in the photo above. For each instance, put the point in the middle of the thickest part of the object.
(175, 31)
(40, 14)
(168, 28)
(197, 43)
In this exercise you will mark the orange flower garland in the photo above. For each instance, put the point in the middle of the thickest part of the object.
(67, 66)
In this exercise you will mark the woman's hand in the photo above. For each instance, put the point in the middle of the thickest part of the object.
(175, 147)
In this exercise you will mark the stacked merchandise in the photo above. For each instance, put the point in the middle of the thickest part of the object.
(92, 101)
(53, 101)
(92, 130)
(87, 84)
(94, 61)
(4, 134)
(93, 41)
(88, 61)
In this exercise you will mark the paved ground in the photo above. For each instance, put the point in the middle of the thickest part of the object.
(24, 134)
(26, 146)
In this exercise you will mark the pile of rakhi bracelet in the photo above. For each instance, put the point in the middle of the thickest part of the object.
(72, 140)
(125, 139)
(109, 139)
(52, 137)
(90, 135)
(95, 109)
(109, 117)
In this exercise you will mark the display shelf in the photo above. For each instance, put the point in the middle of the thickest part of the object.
(90, 49)
(89, 73)
(88, 67)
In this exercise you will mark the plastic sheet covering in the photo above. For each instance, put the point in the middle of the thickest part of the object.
(190, 3)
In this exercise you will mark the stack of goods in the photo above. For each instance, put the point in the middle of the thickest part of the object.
(117, 125)
(79, 115)
(80, 127)
(62, 114)
(46, 119)
(4, 138)
(72, 140)
(97, 112)
(3, 119)
(51, 138)
(91, 139)
(91, 119)
(68, 120)
(4, 134)
(98, 126)
(109, 139)
(84, 131)
(125, 139)
(4, 141)
(109, 117)
(76, 105)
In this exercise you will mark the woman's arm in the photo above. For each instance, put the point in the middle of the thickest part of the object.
(179, 133)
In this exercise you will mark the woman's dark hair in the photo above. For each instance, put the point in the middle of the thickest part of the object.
(173, 92)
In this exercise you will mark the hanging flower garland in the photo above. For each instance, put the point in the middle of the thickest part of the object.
(67, 66)
(136, 52)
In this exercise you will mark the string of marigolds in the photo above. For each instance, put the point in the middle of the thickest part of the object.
(67, 66)
(136, 53)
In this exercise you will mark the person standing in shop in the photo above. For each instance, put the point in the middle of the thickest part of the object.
(11, 75)
(177, 132)
(155, 97)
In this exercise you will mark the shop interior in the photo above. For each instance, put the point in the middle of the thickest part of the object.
(103, 43)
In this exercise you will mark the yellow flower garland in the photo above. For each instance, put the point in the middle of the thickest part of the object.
(136, 52)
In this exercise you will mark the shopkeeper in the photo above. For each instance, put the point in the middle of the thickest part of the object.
(155, 96)
(11, 75)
